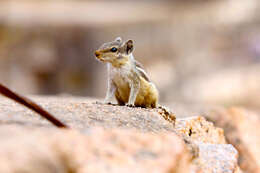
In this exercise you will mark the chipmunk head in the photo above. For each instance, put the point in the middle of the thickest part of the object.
(116, 52)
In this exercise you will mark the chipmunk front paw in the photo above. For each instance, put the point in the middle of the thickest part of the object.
(130, 105)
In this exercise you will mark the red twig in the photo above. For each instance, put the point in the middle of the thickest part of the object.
(31, 105)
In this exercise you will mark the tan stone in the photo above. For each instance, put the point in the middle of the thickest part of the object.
(95, 151)
(208, 145)
(128, 139)
(198, 129)
(241, 130)
(217, 158)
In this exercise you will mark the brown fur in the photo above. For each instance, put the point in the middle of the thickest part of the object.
(146, 97)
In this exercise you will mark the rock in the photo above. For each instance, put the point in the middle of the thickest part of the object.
(207, 144)
(198, 129)
(109, 138)
(240, 126)
(217, 158)
(95, 150)
(82, 113)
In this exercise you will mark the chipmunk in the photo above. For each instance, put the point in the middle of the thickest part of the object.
(127, 80)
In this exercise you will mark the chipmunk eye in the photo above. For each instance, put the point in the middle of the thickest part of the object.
(114, 49)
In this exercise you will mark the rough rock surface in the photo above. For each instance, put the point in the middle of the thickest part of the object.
(109, 139)
(241, 130)
(217, 158)
(82, 113)
(198, 129)
(96, 150)
(207, 145)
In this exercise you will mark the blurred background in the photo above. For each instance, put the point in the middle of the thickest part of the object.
(196, 51)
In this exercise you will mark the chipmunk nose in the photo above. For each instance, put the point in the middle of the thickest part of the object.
(97, 53)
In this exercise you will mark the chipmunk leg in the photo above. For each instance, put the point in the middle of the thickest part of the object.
(134, 89)
(111, 88)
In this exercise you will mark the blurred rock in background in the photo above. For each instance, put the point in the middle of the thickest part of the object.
(206, 51)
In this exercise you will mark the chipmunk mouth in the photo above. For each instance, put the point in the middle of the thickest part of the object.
(101, 58)
(97, 54)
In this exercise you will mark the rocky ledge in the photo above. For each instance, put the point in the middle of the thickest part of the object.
(106, 138)
(241, 128)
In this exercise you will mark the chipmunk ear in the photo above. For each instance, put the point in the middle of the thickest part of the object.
(118, 39)
(129, 45)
